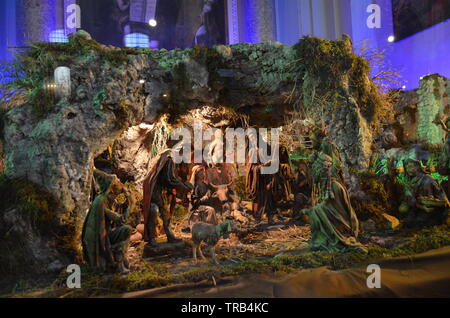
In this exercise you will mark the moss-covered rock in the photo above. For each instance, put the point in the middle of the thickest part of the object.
(52, 142)
(35, 240)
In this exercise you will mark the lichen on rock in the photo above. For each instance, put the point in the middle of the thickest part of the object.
(52, 143)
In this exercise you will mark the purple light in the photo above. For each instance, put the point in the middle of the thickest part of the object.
(425, 52)
(251, 21)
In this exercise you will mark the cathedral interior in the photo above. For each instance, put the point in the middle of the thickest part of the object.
(224, 148)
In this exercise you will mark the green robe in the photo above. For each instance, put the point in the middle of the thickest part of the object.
(330, 149)
(334, 225)
(99, 239)
(96, 245)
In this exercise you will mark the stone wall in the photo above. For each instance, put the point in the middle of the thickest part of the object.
(433, 100)
(115, 89)
(406, 117)
(416, 110)
(36, 19)
(57, 151)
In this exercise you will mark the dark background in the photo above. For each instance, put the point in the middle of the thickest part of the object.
(178, 22)
(412, 16)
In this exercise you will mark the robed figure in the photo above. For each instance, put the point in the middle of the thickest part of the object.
(161, 187)
(105, 234)
(334, 225)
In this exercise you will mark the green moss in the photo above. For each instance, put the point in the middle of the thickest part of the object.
(325, 65)
(36, 208)
(158, 275)
(212, 60)
(116, 56)
(174, 62)
(26, 197)
(180, 212)
(378, 200)
(169, 60)
(325, 59)
(31, 70)
(97, 102)
(121, 111)
(272, 60)
(240, 186)
(422, 241)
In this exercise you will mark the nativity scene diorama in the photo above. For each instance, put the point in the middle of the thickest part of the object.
(220, 168)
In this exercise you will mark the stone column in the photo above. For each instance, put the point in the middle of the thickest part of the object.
(305, 16)
(432, 101)
(342, 18)
(257, 21)
(35, 20)
(288, 21)
(323, 19)
(233, 21)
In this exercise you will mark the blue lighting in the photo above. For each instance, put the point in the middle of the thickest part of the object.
(250, 32)
(58, 36)
(137, 40)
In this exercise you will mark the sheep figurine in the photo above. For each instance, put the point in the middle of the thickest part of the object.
(210, 234)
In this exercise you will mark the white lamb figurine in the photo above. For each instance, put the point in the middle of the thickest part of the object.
(210, 234)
